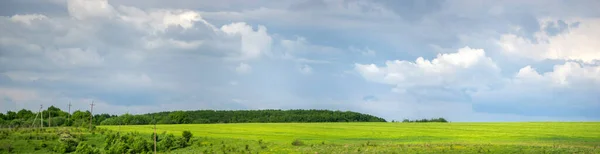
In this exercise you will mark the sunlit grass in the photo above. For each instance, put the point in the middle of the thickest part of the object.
(435, 137)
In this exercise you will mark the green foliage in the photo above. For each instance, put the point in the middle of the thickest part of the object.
(427, 120)
(141, 145)
(166, 143)
(67, 143)
(297, 142)
(59, 121)
(24, 118)
(84, 148)
(187, 135)
(25, 114)
(181, 142)
(117, 148)
(43, 145)
(10, 115)
(180, 117)
(81, 115)
(242, 116)
(458, 137)
(18, 122)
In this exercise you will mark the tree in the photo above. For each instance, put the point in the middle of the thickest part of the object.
(180, 117)
(80, 115)
(187, 135)
(10, 115)
(80, 118)
(25, 114)
(55, 112)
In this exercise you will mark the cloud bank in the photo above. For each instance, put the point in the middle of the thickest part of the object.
(464, 60)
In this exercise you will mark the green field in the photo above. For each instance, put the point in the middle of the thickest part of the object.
(533, 137)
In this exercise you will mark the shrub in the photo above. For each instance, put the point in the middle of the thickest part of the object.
(187, 135)
(117, 148)
(43, 145)
(167, 142)
(297, 142)
(141, 145)
(181, 142)
(9, 148)
(66, 143)
(85, 148)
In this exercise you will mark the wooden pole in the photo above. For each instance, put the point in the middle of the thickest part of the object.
(49, 121)
(91, 114)
(154, 134)
(69, 115)
(35, 119)
(41, 118)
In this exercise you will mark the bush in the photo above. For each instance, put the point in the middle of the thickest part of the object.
(43, 145)
(187, 135)
(85, 148)
(141, 145)
(167, 142)
(181, 142)
(297, 142)
(66, 143)
(118, 148)
(9, 148)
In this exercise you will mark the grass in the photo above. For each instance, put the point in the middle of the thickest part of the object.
(43, 141)
(532, 137)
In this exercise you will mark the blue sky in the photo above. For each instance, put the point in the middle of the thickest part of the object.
(466, 60)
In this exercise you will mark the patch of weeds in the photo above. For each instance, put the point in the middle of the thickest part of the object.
(297, 142)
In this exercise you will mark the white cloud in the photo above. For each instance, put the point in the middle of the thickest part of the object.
(27, 18)
(254, 43)
(468, 68)
(295, 49)
(141, 80)
(365, 52)
(305, 69)
(85, 9)
(578, 43)
(161, 42)
(75, 57)
(243, 68)
(566, 74)
(159, 20)
(18, 95)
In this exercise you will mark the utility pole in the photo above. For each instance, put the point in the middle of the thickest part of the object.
(49, 121)
(41, 118)
(91, 114)
(36, 115)
(69, 115)
(154, 134)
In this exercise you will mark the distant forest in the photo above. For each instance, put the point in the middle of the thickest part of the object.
(53, 116)
(241, 116)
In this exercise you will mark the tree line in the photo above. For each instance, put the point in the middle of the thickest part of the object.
(426, 120)
(54, 116)
(241, 116)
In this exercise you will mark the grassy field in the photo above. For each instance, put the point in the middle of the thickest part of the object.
(534, 137)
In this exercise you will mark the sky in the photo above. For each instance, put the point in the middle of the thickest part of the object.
(464, 60)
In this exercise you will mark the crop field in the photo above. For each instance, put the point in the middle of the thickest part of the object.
(512, 137)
